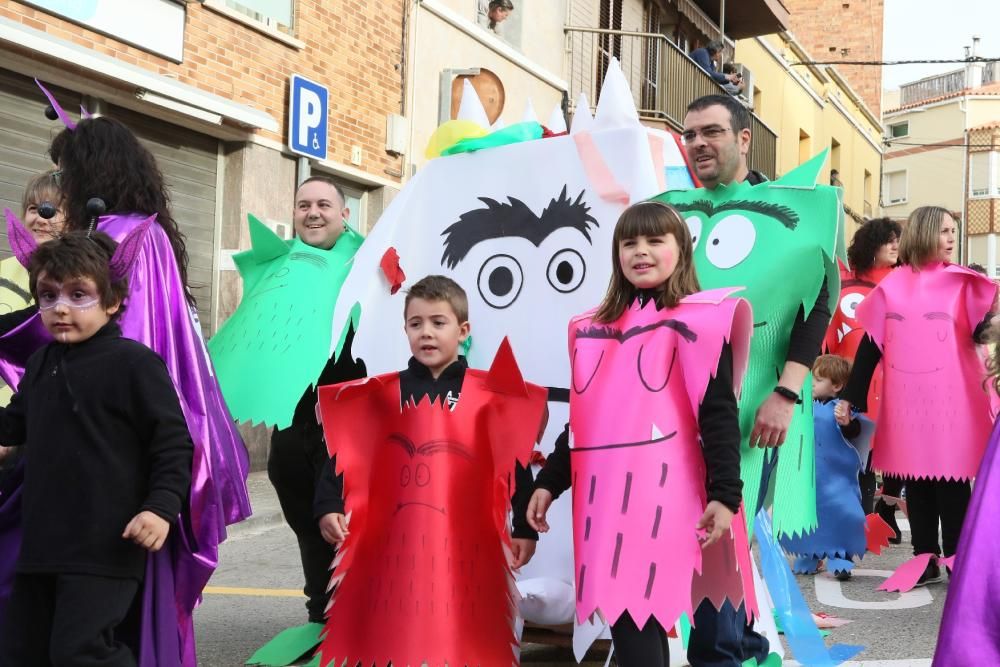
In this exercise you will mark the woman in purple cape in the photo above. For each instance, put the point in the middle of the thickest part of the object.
(100, 157)
(970, 629)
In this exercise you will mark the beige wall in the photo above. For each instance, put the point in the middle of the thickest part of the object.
(437, 44)
(809, 110)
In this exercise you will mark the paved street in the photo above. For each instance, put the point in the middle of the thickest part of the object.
(256, 593)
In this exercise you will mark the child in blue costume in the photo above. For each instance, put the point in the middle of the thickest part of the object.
(841, 446)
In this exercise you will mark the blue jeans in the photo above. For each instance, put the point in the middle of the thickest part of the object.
(723, 638)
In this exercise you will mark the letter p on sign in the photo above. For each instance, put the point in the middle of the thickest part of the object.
(308, 107)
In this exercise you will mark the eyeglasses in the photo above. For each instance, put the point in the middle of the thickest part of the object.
(710, 133)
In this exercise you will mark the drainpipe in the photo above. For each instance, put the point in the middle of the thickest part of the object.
(722, 20)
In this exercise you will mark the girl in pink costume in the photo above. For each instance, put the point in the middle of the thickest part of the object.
(924, 321)
(655, 442)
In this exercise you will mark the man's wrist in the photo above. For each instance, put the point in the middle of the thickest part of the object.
(787, 394)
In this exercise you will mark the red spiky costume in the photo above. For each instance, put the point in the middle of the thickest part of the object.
(423, 575)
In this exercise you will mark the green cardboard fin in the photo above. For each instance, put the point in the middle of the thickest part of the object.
(806, 175)
(288, 646)
(266, 245)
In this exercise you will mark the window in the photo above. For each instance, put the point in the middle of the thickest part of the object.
(608, 45)
(805, 147)
(277, 14)
(984, 174)
(897, 130)
(651, 58)
(894, 188)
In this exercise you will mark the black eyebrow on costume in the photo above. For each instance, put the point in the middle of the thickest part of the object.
(894, 316)
(610, 333)
(403, 442)
(938, 315)
(446, 446)
(782, 214)
(498, 220)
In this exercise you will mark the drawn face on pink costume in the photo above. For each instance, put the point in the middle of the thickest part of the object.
(631, 368)
(926, 332)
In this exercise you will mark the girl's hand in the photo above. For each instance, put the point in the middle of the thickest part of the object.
(522, 549)
(842, 412)
(716, 521)
(148, 530)
(538, 507)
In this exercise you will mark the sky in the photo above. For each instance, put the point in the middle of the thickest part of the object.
(931, 29)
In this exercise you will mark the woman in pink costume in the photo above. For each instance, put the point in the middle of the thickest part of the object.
(655, 454)
(924, 321)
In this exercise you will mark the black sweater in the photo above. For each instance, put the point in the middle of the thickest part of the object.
(415, 382)
(718, 422)
(105, 439)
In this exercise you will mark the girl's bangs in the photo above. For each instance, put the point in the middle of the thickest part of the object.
(646, 219)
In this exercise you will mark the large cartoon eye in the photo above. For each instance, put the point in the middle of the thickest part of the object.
(500, 281)
(849, 304)
(694, 226)
(423, 475)
(730, 241)
(404, 475)
(566, 270)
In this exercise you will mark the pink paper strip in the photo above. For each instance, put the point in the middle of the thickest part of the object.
(598, 172)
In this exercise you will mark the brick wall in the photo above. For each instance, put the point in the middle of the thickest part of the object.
(826, 27)
(351, 46)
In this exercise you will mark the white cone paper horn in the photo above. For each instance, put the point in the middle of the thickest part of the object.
(529, 115)
(615, 108)
(582, 120)
(557, 121)
(499, 125)
(471, 107)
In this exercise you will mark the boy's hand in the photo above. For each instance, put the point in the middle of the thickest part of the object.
(333, 527)
(843, 418)
(716, 521)
(538, 507)
(522, 549)
(147, 530)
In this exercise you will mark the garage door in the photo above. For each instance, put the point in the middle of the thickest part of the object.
(188, 160)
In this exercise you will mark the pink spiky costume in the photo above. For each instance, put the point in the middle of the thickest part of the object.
(935, 416)
(422, 576)
(638, 470)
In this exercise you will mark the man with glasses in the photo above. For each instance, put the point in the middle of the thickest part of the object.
(717, 139)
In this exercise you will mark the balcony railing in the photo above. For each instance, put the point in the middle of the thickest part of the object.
(663, 79)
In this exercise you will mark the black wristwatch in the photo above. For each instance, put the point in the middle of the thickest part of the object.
(785, 392)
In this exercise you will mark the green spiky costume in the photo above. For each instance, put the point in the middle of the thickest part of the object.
(777, 239)
(276, 343)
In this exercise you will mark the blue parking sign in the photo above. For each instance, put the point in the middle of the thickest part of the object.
(308, 107)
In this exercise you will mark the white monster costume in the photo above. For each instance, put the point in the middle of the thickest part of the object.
(526, 229)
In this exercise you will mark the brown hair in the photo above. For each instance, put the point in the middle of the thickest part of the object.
(649, 218)
(77, 255)
(834, 368)
(440, 288)
(329, 181)
(918, 244)
(42, 187)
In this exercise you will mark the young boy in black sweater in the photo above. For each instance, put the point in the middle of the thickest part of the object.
(108, 461)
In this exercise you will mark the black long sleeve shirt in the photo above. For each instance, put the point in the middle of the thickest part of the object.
(868, 357)
(415, 382)
(105, 439)
(718, 422)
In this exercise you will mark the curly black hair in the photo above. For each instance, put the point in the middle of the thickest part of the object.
(868, 239)
(103, 158)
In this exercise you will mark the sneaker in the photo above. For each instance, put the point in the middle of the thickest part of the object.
(931, 575)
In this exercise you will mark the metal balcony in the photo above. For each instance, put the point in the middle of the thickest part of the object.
(663, 79)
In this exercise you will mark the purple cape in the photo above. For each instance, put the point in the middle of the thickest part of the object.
(158, 315)
(970, 629)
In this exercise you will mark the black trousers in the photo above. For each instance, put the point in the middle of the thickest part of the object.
(294, 464)
(67, 620)
(930, 501)
(640, 648)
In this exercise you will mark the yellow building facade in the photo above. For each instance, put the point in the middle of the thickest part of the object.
(812, 108)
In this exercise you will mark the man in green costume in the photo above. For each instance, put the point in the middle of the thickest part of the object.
(777, 239)
(271, 354)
